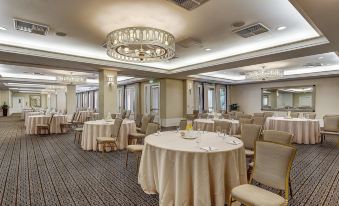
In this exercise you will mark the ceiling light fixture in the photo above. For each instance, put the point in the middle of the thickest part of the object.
(140, 44)
(265, 74)
(280, 28)
(208, 49)
(3, 28)
(71, 79)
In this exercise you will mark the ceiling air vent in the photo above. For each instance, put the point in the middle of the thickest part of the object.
(189, 4)
(30, 27)
(252, 30)
(189, 42)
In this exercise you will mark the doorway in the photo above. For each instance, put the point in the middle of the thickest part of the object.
(152, 100)
(18, 104)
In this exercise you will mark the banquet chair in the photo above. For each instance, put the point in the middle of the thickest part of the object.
(137, 120)
(277, 136)
(250, 133)
(151, 117)
(137, 148)
(310, 115)
(46, 127)
(222, 126)
(67, 125)
(143, 126)
(141, 132)
(77, 134)
(259, 120)
(123, 114)
(272, 167)
(226, 116)
(112, 140)
(243, 116)
(196, 113)
(268, 114)
(258, 114)
(245, 121)
(331, 126)
(183, 124)
(294, 114)
(128, 114)
(204, 115)
(190, 117)
(114, 116)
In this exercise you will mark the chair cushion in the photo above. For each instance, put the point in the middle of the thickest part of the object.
(106, 139)
(249, 152)
(256, 196)
(135, 148)
(136, 135)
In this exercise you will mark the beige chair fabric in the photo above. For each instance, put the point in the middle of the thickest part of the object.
(331, 126)
(152, 128)
(222, 126)
(272, 168)
(259, 120)
(294, 114)
(128, 114)
(204, 115)
(111, 141)
(243, 116)
(183, 124)
(245, 121)
(151, 117)
(137, 120)
(144, 122)
(259, 114)
(250, 134)
(268, 114)
(310, 115)
(277, 136)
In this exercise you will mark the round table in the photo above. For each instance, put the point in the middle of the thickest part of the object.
(183, 173)
(101, 128)
(208, 125)
(24, 111)
(27, 114)
(32, 121)
(305, 131)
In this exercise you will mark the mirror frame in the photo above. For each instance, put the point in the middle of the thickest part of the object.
(294, 110)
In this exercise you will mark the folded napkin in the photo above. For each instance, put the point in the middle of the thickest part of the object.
(234, 142)
(209, 148)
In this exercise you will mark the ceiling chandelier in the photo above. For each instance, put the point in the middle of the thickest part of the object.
(71, 79)
(140, 44)
(265, 74)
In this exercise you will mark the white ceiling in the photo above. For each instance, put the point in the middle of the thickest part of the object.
(87, 22)
(315, 65)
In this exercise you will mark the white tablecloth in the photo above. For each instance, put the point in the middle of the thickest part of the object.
(305, 131)
(32, 121)
(27, 114)
(82, 116)
(101, 128)
(24, 111)
(184, 174)
(208, 124)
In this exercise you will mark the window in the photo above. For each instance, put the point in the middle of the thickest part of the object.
(130, 99)
(223, 98)
(210, 96)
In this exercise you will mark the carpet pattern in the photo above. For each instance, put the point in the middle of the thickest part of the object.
(52, 170)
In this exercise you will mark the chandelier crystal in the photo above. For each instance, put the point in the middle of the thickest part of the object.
(71, 79)
(140, 44)
(265, 74)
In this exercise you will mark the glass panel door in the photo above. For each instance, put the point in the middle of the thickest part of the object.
(155, 102)
(130, 100)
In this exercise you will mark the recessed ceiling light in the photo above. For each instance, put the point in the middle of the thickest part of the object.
(3, 28)
(208, 49)
(280, 28)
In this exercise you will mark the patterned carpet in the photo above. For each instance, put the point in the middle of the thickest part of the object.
(52, 170)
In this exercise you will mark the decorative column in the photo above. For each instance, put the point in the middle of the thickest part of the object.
(107, 92)
(71, 103)
(60, 100)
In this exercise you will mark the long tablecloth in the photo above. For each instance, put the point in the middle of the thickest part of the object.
(305, 131)
(208, 125)
(32, 121)
(101, 128)
(184, 174)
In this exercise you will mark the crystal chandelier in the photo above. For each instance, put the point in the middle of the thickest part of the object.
(140, 44)
(71, 79)
(265, 74)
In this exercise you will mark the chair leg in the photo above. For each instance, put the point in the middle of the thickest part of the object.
(290, 186)
(126, 159)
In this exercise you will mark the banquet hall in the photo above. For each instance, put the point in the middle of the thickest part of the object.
(169, 102)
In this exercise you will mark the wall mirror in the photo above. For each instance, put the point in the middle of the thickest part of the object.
(298, 98)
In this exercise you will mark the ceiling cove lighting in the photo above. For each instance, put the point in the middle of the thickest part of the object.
(311, 70)
(26, 76)
(265, 74)
(140, 45)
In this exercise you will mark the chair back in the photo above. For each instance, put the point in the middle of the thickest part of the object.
(152, 128)
(226, 116)
(151, 117)
(73, 116)
(77, 114)
(310, 115)
(204, 116)
(244, 116)
(272, 164)
(268, 114)
(331, 123)
(277, 136)
(294, 114)
(116, 127)
(224, 126)
(258, 114)
(195, 113)
(123, 114)
(50, 120)
(183, 124)
(245, 121)
(250, 134)
(144, 122)
(259, 120)
(128, 114)
(137, 120)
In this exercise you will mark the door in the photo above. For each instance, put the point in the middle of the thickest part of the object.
(18, 104)
(152, 101)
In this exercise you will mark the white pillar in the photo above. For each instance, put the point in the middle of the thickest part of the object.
(107, 92)
(71, 99)
(61, 100)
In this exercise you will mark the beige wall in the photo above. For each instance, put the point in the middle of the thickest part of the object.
(248, 96)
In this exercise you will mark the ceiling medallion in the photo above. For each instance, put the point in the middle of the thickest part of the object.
(140, 45)
(265, 74)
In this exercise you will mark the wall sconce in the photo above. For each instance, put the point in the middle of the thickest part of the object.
(110, 80)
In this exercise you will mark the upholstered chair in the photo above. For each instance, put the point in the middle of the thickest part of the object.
(137, 120)
(259, 120)
(112, 140)
(137, 149)
(268, 114)
(222, 126)
(144, 121)
(277, 136)
(45, 127)
(310, 115)
(331, 126)
(272, 168)
(151, 117)
(128, 114)
(114, 116)
(141, 132)
(259, 114)
(245, 121)
(294, 114)
(204, 115)
(250, 133)
(183, 124)
(123, 114)
(67, 125)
